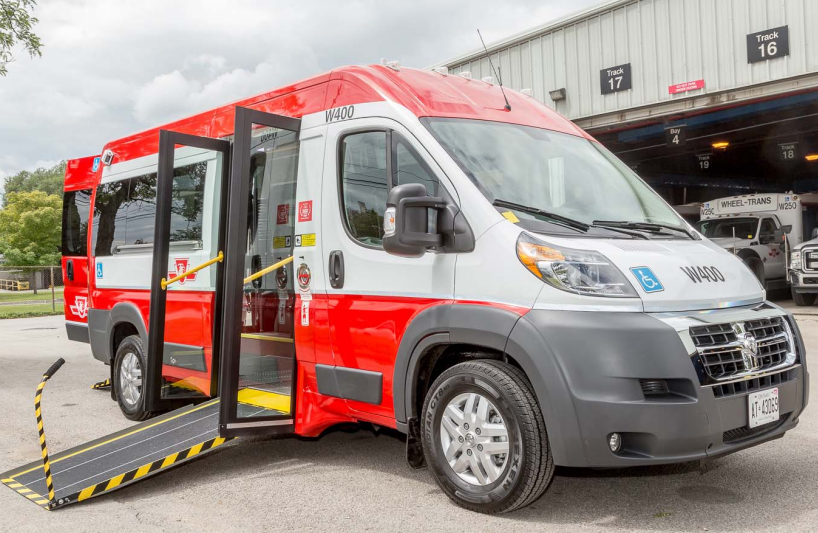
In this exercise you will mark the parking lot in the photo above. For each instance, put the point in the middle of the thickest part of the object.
(356, 479)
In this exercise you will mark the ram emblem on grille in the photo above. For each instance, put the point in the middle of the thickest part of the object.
(749, 351)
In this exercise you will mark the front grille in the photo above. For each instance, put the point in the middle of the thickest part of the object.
(809, 281)
(734, 350)
(737, 435)
(736, 388)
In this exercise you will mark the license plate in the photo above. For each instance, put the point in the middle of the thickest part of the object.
(763, 407)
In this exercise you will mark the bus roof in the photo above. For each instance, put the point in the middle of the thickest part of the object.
(425, 93)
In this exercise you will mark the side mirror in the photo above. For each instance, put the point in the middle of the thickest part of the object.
(406, 221)
(766, 238)
(786, 229)
(814, 233)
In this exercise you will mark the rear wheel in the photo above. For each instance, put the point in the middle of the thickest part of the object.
(802, 299)
(129, 368)
(484, 437)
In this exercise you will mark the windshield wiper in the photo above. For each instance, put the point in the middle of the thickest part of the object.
(648, 226)
(570, 222)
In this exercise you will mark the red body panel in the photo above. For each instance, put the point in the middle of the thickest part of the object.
(354, 331)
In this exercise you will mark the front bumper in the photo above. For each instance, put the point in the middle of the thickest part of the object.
(804, 282)
(592, 372)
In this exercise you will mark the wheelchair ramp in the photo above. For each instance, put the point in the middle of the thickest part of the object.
(117, 460)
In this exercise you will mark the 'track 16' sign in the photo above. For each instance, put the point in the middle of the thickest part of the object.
(768, 44)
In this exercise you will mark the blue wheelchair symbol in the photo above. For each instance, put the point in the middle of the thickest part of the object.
(647, 279)
(96, 164)
(99, 270)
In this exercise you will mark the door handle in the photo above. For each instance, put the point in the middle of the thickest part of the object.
(336, 269)
(69, 269)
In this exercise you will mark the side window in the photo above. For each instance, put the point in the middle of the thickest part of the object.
(364, 185)
(109, 217)
(141, 211)
(75, 211)
(125, 211)
(365, 180)
(408, 167)
(767, 227)
(187, 204)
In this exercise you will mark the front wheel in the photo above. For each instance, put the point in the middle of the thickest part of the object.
(128, 382)
(802, 299)
(484, 437)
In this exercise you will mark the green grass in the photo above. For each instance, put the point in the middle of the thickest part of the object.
(28, 311)
(43, 295)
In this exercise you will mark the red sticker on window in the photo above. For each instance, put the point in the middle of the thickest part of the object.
(305, 211)
(283, 214)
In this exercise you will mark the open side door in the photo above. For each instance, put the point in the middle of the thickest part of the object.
(176, 372)
(258, 369)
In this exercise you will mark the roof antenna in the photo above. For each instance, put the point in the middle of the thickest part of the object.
(508, 106)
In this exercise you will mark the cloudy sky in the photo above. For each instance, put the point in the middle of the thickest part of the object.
(111, 68)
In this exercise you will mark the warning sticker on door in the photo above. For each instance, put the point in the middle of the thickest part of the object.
(307, 239)
(305, 313)
(283, 241)
(305, 211)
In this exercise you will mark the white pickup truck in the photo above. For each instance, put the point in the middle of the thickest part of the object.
(753, 227)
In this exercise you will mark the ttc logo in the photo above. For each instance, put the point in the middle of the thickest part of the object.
(182, 264)
(80, 307)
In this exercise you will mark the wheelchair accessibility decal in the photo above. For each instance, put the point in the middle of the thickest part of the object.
(647, 279)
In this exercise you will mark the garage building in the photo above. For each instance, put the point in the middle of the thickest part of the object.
(703, 98)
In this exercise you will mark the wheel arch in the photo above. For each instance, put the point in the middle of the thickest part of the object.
(460, 330)
(125, 319)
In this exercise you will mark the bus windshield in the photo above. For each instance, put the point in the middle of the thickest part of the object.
(744, 228)
(556, 172)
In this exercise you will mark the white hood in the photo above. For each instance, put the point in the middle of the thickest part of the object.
(694, 275)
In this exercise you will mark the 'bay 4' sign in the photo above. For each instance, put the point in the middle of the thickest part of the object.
(768, 44)
(615, 79)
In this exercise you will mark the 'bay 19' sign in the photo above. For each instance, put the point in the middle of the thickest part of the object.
(615, 79)
(768, 44)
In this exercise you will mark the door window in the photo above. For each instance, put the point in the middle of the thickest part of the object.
(767, 228)
(365, 180)
(76, 206)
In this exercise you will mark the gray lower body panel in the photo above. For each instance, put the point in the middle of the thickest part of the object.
(77, 332)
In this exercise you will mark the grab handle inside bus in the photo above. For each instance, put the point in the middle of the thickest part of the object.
(218, 259)
(267, 270)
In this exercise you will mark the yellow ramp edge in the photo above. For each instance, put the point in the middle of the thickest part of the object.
(265, 399)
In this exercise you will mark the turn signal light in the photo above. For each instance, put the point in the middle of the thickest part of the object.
(530, 254)
(721, 145)
(812, 157)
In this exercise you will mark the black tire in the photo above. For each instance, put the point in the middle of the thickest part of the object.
(132, 409)
(756, 266)
(528, 467)
(801, 298)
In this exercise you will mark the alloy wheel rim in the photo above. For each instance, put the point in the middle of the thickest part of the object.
(474, 439)
(130, 379)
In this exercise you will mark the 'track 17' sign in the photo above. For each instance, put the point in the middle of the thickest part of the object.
(615, 79)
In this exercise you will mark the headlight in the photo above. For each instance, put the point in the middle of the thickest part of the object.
(579, 271)
(795, 260)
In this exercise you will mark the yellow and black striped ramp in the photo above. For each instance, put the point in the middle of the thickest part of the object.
(102, 385)
(135, 453)
(117, 460)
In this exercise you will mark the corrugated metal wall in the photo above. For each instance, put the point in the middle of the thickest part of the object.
(665, 41)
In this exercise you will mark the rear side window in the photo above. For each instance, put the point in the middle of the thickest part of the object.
(125, 211)
(75, 210)
(369, 171)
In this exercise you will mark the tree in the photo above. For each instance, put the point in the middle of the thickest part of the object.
(30, 228)
(15, 29)
(48, 180)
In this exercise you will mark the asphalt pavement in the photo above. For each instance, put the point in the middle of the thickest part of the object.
(354, 479)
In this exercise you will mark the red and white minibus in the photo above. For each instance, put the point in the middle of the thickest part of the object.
(410, 249)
